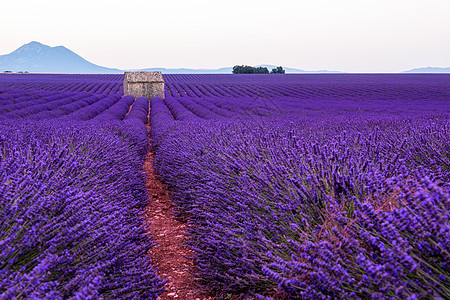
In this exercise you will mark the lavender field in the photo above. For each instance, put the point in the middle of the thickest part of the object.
(72, 190)
(293, 186)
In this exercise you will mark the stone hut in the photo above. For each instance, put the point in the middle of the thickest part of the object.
(147, 84)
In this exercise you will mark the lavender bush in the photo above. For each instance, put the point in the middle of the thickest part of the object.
(72, 197)
(312, 187)
(293, 186)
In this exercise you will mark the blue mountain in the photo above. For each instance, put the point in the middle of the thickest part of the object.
(228, 70)
(35, 57)
(429, 70)
(294, 70)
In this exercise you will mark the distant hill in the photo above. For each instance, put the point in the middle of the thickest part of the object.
(228, 70)
(293, 70)
(429, 70)
(35, 57)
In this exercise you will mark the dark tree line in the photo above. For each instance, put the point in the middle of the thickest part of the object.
(256, 70)
(278, 70)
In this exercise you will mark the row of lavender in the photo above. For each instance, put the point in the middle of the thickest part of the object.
(306, 86)
(90, 83)
(73, 195)
(312, 198)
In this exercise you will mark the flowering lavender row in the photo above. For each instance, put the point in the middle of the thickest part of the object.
(19, 100)
(78, 106)
(89, 112)
(91, 83)
(11, 98)
(72, 211)
(214, 107)
(199, 110)
(335, 195)
(179, 111)
(73, 194)
(290, 108)
(139, 110)
(161, 121)
(81, 100)
(303, 86)
(135, 122)
(45, 104)
(116, 112)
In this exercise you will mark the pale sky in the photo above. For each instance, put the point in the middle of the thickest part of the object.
(344, 35)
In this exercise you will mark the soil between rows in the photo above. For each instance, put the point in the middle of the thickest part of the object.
(169, 254)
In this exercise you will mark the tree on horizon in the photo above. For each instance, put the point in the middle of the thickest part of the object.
(244, 69)
(278, 70)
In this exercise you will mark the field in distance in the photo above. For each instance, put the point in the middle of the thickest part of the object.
(294, 186)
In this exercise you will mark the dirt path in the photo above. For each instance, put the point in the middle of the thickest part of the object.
(169, 253)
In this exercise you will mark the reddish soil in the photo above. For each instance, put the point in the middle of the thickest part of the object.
(168, 255)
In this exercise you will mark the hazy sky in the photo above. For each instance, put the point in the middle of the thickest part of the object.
(345, 35)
